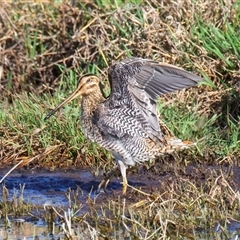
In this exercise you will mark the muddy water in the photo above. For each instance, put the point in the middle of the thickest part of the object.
(49, 188)
(29, 230)
(42, 188)
(46, 188)
(56, 189)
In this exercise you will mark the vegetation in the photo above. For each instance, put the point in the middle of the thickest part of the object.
(45, 47)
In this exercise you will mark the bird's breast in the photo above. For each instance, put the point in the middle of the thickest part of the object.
(90, 130)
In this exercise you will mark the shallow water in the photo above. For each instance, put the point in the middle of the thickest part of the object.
(39, 230)
(29, 230)
(46, 188)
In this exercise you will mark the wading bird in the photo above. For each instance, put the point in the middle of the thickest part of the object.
(126, 122)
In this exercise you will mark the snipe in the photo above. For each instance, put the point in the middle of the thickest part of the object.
(126, 122)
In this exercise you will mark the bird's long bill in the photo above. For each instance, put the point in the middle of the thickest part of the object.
(75, 94)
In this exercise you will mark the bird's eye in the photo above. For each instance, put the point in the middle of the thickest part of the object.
(88, 80)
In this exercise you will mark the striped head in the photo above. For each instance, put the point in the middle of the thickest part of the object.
(87, 84)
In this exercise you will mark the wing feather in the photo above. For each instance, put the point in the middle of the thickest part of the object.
(136, 84)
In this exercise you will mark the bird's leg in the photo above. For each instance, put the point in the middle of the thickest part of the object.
(123, 170)
(115, 172)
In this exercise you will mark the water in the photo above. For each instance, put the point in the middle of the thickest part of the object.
(29, 231)
(65, 190)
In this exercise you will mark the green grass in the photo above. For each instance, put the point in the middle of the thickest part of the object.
(24, 120)
(219, 43)
(203, 129)
(106, 4)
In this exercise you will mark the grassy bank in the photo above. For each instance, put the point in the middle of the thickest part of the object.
(46, 47)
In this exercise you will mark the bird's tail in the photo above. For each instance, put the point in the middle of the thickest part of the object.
(174, 144)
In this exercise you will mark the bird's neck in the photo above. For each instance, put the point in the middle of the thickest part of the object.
(90, 103)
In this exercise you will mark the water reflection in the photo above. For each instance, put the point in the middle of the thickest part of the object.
(30, 231)
(41, 231)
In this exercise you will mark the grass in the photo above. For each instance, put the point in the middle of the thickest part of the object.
(222, 44)
(51, 45)
(23, 120)
(202, 128)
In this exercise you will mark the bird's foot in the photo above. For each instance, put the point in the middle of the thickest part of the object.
(125, 185)
(102, 187)
(103, 184)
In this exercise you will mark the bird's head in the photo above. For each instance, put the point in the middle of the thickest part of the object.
(87, 85)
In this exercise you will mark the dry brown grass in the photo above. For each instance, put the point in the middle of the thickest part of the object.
(75, 38)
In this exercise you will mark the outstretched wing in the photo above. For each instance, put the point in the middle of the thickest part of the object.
(136, 84)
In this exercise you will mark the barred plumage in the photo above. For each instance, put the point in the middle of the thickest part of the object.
(126, 122)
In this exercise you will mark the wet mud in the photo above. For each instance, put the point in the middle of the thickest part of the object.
(44, 187)
(59, 188)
